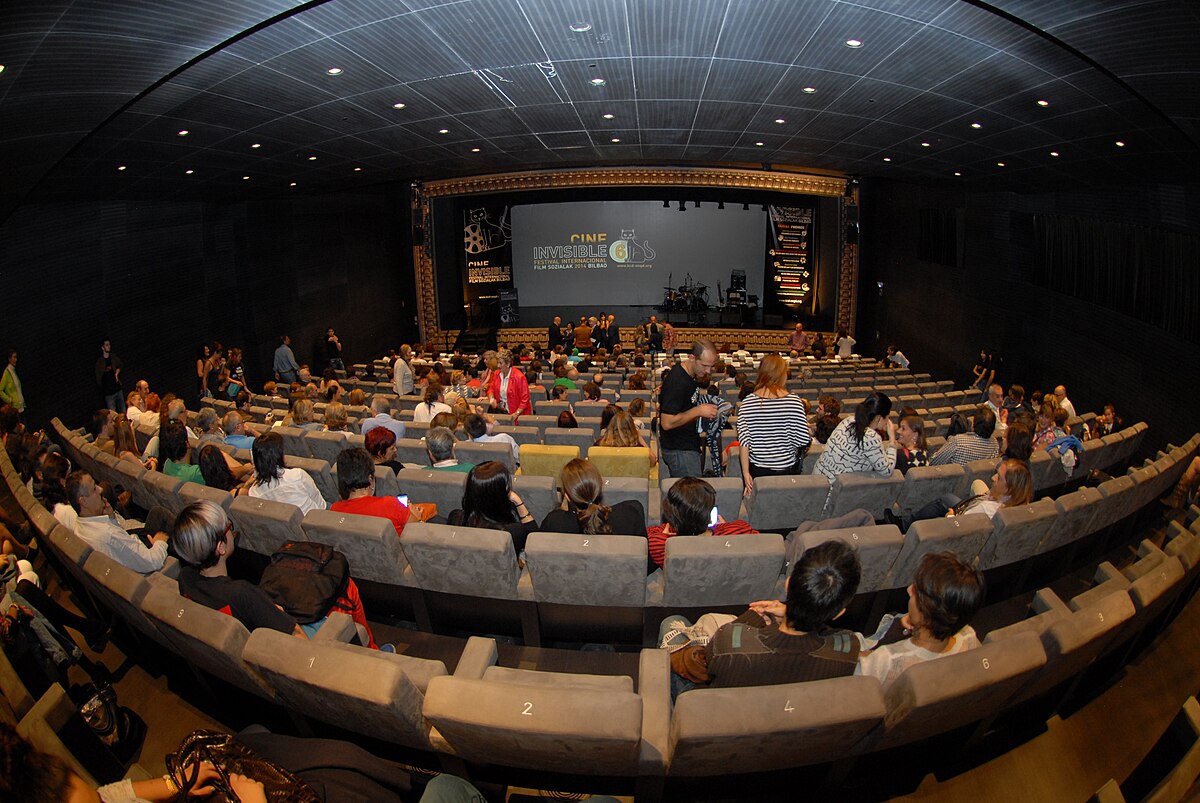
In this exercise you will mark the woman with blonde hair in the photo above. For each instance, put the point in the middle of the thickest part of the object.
(335, 418)
(302, 416)
(772, 426)
(583, 510)
(622, 430)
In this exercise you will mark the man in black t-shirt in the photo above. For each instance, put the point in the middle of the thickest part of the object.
(678, 411)
(333, 350)
(108, 378)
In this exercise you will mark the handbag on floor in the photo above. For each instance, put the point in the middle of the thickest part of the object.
(229, 757)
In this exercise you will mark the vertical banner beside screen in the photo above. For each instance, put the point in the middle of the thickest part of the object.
(791, 268)
(486, 262)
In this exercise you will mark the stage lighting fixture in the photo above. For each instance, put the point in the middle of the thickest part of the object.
(682, 206)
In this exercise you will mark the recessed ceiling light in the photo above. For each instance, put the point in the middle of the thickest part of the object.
(809, 89)
(616, 139)
(609, 116)
(399, 105)
(358, 170)
(1119, 144)
(957, 173)
(976, 125)
(887, 158)
(474, 150)
(598, 81)
(293, 184)
(120, 167)
(443, 130)
(334, 71)
(312, 158)
(1054, 153)
(780, 120)
(256, 145)
(183, 132)
(1043, 103)
(924, 144)
(999, 164)
(245, 178)
(853, 43)
(581, 27)
(759, 144)
(1, 68)
(188, 172)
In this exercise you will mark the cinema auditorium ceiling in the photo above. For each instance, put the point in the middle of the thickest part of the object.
(195, 99)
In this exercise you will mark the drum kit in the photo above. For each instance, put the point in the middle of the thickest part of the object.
(688, 297)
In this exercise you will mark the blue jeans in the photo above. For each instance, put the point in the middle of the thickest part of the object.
(115, 402)
(682, 463)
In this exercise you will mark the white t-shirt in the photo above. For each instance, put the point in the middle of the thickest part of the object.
(103, 534)
(295, 487)
(424, 413)
(888, 662)
(503, 437)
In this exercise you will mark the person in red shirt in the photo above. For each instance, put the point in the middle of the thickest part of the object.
(356, 484)
(687, 510)
(508, 390)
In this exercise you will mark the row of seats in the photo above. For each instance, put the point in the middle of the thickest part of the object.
(485, 713)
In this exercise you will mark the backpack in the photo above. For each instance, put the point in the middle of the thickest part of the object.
(306, 579)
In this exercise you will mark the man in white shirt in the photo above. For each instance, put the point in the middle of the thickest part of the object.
(381, 407)
(1060, 393)
(97, 525)
(995, 400)
(476, 427)
(402, 379)
(136, 412)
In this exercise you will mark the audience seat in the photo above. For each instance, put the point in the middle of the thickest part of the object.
(977, 470)
(294, 442)
(962, 535)
(163, 490)
(522, 434)
(620, 489)
(319, 471)
(326, 445)
(548, 460)
(472, 452)
(441, 488)
(621, 461)
(781, 503)
(195, 492)
(873, 493)
(923, 484)
(464, 560)
(1016, 533)
(264, 524)
(412, 450)
(729, 494)
(581, 438)
(718, 570)
(369, 543)
(539, 494)
(1076, 514)
(877, 546)
(1046, 470)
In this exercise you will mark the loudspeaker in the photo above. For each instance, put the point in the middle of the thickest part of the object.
(731, 317)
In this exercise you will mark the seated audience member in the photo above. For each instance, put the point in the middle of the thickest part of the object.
(439, 444)
(301, 416)
(173, 450)
(380, 443)
(100, 429)
(434, 402)
(50, 488)
(125, 444)
(606, 417)
(910, 438)
(275, 482)
(1018, 443)
(381, 407)
(583, 510)
(215, 470)
(622, 431)
(561, 380)
(959, 423)
(944, 596)
(637, 409)
(137, 411)
(209, 424)
(336, 419)
(1012, 486)
(824, 427)
(856, 445)
(895, 358)
(636, 381)
(829, 405)
(978, 444)
(1107, 422)
(687, 510)
(566, 420)
(204, 540)
(774, 642)
(591, 392)
(357, 398)
(448, 420)
(559, 393)
(477, 430)
(1015, 400)
(97, 525)
(236, 434)
(1060, 393)
(490, 502)
(356, 485)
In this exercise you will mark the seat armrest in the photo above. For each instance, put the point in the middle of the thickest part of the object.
(339, 626)
(1046, 600)
(654, 589)
(1105, 572)
(654, 687)
(171, 567)
(479, 654)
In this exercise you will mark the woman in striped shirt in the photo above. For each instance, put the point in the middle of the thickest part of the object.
(772, 426)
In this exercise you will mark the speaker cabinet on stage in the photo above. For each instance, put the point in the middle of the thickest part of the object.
(731, 317)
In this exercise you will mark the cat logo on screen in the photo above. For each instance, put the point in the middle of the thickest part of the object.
(629, 250)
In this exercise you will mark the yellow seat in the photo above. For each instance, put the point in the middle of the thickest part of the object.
(621, 461)
(539, 460)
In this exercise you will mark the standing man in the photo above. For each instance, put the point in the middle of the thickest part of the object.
(799, 339)
(285, 361)
(583, 337)
(669, 340)
(554, 334)
(108, 377)
(402, 375)
(614, 334)
(679, 412)
(333, 350)
(654, 335)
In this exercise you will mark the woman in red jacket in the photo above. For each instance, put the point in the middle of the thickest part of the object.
(508, 392)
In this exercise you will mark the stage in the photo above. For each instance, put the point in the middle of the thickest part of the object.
(727, 338)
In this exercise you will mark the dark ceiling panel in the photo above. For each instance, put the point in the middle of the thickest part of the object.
(575, 78)
(403, 48)
(676, 28)
(929, 57)
(828, 85)
(664, 114)
(880, 34)
(735, 80)
(472, 29)
(770, 31)
(674, 79)
(552, 21)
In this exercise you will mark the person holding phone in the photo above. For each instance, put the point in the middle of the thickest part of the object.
(690, 508)
(356, 485)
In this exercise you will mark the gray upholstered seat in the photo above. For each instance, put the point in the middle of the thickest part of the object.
(766, 728)
(293, 441)
(464, 560)
(412, 450)
(729, 494)
(877, 547)
(587, 569)
(319, 471)
(1076, 514)
(1016, 533)
(1115, 496)
(72, 550)
(977, 470)
(540, 422)
(520, 434)
(360, 690)
(163, 490)
(581, 437)
(122, 590)
(962, 535)
(264, 524)
(1046, 469)
(326, 445)
(442, 488)
(206, 639)
(784, 502)
(195, 492)
(873, 493)
(472, 452)
(369, 543)
(620, 489)
(720, 570)
(550, 408)
(386, 483)
(925, 483)
(953, 691)
(523, 718)
(538, 493)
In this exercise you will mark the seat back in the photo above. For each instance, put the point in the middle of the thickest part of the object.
(550, 408)
(412, 450)
(784, 502)
(294, 442)
(873, 493)
(580, 437)
(546, 460)
(471, 452)
(923, 484)
(1016, 533)
(264, 524)
(163, 490)
(763, 725)
(1115, 497)
(194, 492)
(347, 686)
(962, 535)
(1046, 469)
(878, 547)
(947, 693)
(1076, 516)
(320, 473)
(442, 488)
(369, 543)
(977, 470)
(520, 434)
(121, 589)
(720, 570)
(621, 461)
(587, 569)
(326, 445)
(462, 560)
(539, 494)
